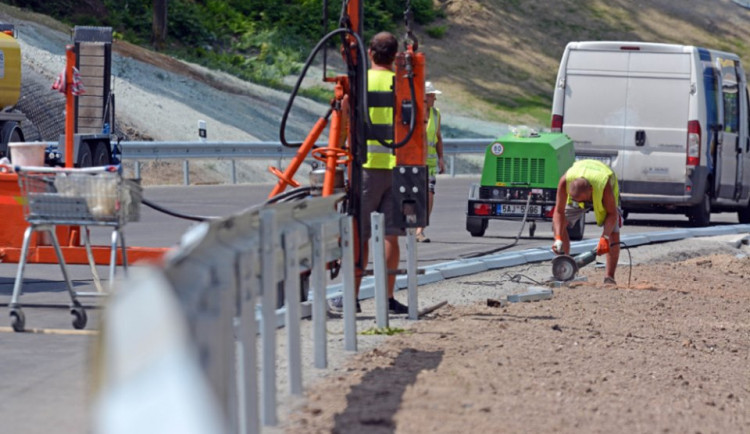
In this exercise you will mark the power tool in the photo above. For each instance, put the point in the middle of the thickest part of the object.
(565, 267)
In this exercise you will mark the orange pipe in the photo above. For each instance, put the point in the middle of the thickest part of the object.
(298, 159)
(45, 254)
(70, 59)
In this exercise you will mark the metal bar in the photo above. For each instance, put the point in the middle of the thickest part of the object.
(268, 304)
(411, 273)
(234, 171)
(319, 296)
(380, 269)
(247, 331)
(347, 267)
(292, 301)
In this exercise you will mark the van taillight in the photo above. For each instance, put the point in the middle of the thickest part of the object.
(693, 143)
(630, 48)
(557, 122)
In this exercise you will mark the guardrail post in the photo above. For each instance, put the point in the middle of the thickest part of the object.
(292, 301)
(234, 172)
(247, 359)
(137, 170)
(319, 313)
(269, 286)
(453, 166)
(347, 268)
(380, 270)
(186, 172)
(411, 273)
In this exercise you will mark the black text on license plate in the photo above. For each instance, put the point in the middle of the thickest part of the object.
(517, 210)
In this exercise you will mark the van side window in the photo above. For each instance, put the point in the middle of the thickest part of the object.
(730, 99)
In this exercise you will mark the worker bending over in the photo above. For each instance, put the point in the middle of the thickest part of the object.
(589, 184)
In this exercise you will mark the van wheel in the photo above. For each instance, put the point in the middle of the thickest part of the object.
(700, 214)
(476, 226)
(744, 214)
(575, 233)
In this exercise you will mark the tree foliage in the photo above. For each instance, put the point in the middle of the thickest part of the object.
(258, 40)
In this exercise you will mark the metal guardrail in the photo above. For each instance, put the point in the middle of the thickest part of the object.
(258, 150)
(196, 321)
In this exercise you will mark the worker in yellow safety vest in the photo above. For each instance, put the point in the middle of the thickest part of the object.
(585, 185)
(435, 162)
(377, 172)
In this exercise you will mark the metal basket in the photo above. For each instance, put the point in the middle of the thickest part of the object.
(90, 196)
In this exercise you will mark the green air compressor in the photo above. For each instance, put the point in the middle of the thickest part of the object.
(519, 180)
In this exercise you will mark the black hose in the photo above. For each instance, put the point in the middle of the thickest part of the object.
(297, 193)
(308, 62)
(196, 218)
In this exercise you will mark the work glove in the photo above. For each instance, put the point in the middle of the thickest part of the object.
(557, 246)
(603, 247)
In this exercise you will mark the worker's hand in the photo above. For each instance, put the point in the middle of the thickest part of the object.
(603, 246)
(441, 165)
(557, 246)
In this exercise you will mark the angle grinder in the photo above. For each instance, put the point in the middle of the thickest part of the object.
(565, 267)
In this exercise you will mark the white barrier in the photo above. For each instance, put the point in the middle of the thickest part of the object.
(220, 273)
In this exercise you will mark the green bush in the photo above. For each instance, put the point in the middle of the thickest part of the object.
(437, 32)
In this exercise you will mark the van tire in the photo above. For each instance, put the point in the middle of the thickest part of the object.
(700, 214)
(743, 214)
(10, 132)
(476, 226)
(575, 233)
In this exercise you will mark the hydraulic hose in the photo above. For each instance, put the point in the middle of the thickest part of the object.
(196, 218)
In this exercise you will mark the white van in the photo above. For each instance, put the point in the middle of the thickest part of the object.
(671, 120)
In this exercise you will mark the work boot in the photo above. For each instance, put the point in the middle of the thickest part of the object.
(396, 308)
(609, 281)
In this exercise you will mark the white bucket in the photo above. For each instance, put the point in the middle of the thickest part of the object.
(27, 153)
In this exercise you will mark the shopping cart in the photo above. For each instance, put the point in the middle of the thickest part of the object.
(97, 196)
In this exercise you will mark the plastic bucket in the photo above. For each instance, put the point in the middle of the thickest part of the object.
(27, 153)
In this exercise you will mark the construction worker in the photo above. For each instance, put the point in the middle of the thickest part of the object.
(589, 184)
(377, 176)
(435, 162)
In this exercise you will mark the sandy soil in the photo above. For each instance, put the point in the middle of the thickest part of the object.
(667, 353)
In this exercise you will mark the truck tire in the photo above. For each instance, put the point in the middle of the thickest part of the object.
(476, 226)
(575, 233)
(85, 156)
(700, 214)
(10, 132)
(101, 156)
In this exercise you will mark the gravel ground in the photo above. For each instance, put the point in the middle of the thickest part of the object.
(494, 370)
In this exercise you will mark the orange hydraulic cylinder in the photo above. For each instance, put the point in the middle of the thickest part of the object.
(70, 59)
(414, 153)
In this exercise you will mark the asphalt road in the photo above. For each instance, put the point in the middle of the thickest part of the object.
(45, 377)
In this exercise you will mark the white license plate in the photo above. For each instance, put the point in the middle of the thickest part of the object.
(518, 210)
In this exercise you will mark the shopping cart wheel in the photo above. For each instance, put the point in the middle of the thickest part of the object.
(79, 316)
(17, 320)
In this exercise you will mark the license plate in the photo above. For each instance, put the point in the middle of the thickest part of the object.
(518, 210)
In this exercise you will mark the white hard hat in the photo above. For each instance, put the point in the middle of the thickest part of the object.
(430, 88)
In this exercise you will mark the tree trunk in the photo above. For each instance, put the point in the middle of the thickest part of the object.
(160, 24)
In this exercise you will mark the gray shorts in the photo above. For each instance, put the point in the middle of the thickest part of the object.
(573, 213)
(377, 196)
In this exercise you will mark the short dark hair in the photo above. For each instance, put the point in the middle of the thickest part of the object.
(384, 47)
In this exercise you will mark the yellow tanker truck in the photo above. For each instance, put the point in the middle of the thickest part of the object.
(10, 88)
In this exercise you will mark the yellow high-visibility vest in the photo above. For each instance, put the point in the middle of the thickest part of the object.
(597, 174)
(379, 156)
(433, 121)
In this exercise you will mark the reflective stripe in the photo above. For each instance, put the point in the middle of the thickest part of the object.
(379, 149)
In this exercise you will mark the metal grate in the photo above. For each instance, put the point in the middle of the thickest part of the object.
(520, 170)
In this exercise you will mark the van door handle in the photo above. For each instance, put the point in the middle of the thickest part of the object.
(640, 138)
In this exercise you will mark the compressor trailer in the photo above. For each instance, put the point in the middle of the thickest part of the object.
(519, 179)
